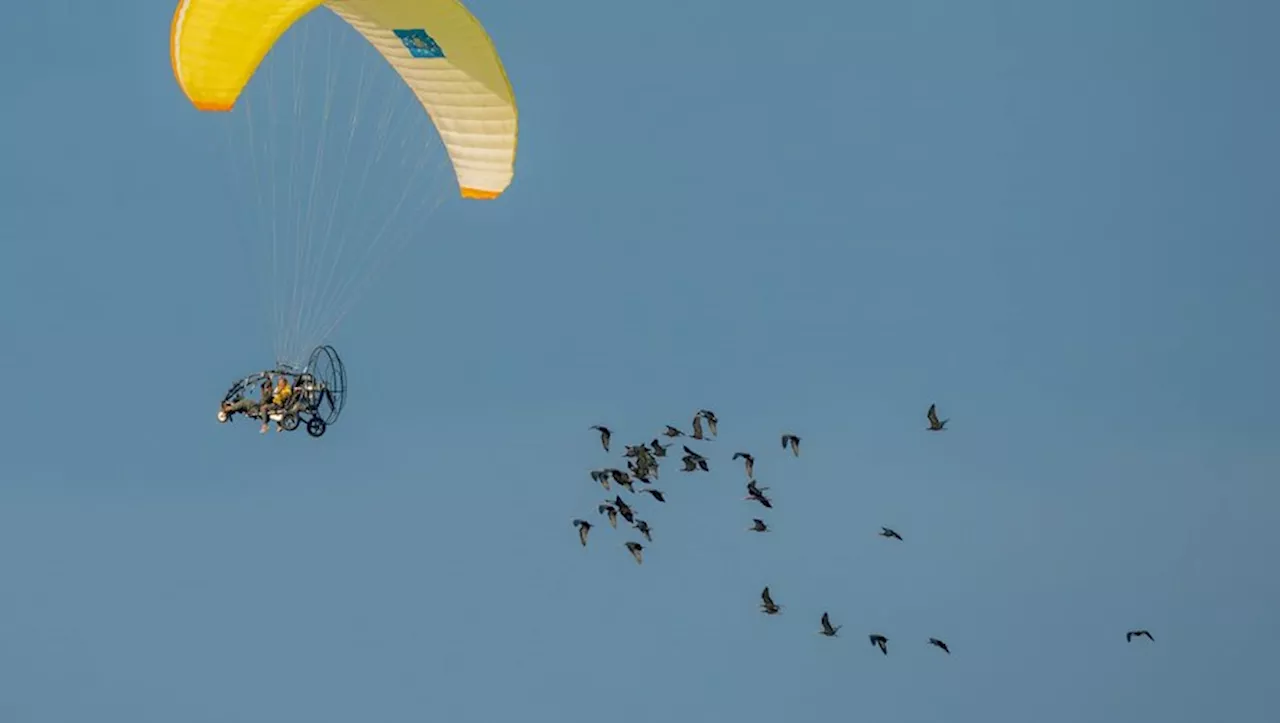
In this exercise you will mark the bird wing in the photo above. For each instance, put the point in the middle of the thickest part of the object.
(932, 415)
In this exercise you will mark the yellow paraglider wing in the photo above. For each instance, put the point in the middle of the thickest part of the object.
(439, 49)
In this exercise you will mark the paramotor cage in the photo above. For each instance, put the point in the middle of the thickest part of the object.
(319, 392)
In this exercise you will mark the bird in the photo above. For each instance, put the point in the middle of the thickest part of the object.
(657, 494)
(692, 460)
(758, 525)
(712, 421)
(658, 449)
(643, 527)
(767, 604)
(624, 509)
(612, 512)
(886, 532)
(882, 641)
(934, 424)
(672, 432)
(601, 476)
(749, 461)
(637, 551)
(583, 528)
(1129, 636)
(697, 427)
(605, 435)
(827, 630)
(939, 644)
(793, 441)
(619, 476)
(757, 494)
(643, 474)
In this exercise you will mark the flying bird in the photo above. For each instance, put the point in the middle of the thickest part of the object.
(757, 494)
(939, 644)
(767, 604)
(658, 449)
(583, 528)
(624, 509)
(886, 532)
(882, 641)
(643, 527)
(612, 512)
(605, 435)
(934, 424)
(657, 494)
(827, 630)
(637, 551)
(1129, 636)
(712, 421)
(758, 525)
(792, 441)
(601, 476)
(697, 427)
(672, 432)
(749, 461)
(626, 484)
(692, 460)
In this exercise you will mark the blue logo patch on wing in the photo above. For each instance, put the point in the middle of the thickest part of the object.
(420, 44)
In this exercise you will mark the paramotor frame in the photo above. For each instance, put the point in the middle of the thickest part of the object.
(319, 391)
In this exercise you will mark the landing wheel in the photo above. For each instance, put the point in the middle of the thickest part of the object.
(316, 427)
(289, 422)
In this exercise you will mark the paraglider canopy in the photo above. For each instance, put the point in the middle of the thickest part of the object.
(440, 50)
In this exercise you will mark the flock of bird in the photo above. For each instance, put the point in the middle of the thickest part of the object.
(643, 466)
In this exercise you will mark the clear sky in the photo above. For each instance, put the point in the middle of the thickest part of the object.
(1056, 220)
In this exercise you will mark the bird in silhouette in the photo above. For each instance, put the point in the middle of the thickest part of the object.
(767, 604)
(657, 494)
(934, 424)
(612, 512)
(605, 436)
(882, 641)
(697, 427)
(939, 644)
(758, 525)
(748, 461)
(672, 432)
(692, 460)
(601, 476)
(827, 630)
(624, 509)
(712, 421)
(659, 450)
(791, 440)
(1129, 636)
(886, 532)
(757, 494)
(637, 551)
(643, 527)
(583, 528)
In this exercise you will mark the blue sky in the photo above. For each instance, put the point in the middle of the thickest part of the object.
(1053, 219)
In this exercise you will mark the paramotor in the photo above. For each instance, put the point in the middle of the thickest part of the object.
(319, 391)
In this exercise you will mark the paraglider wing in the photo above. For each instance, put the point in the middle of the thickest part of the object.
(439, 49)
